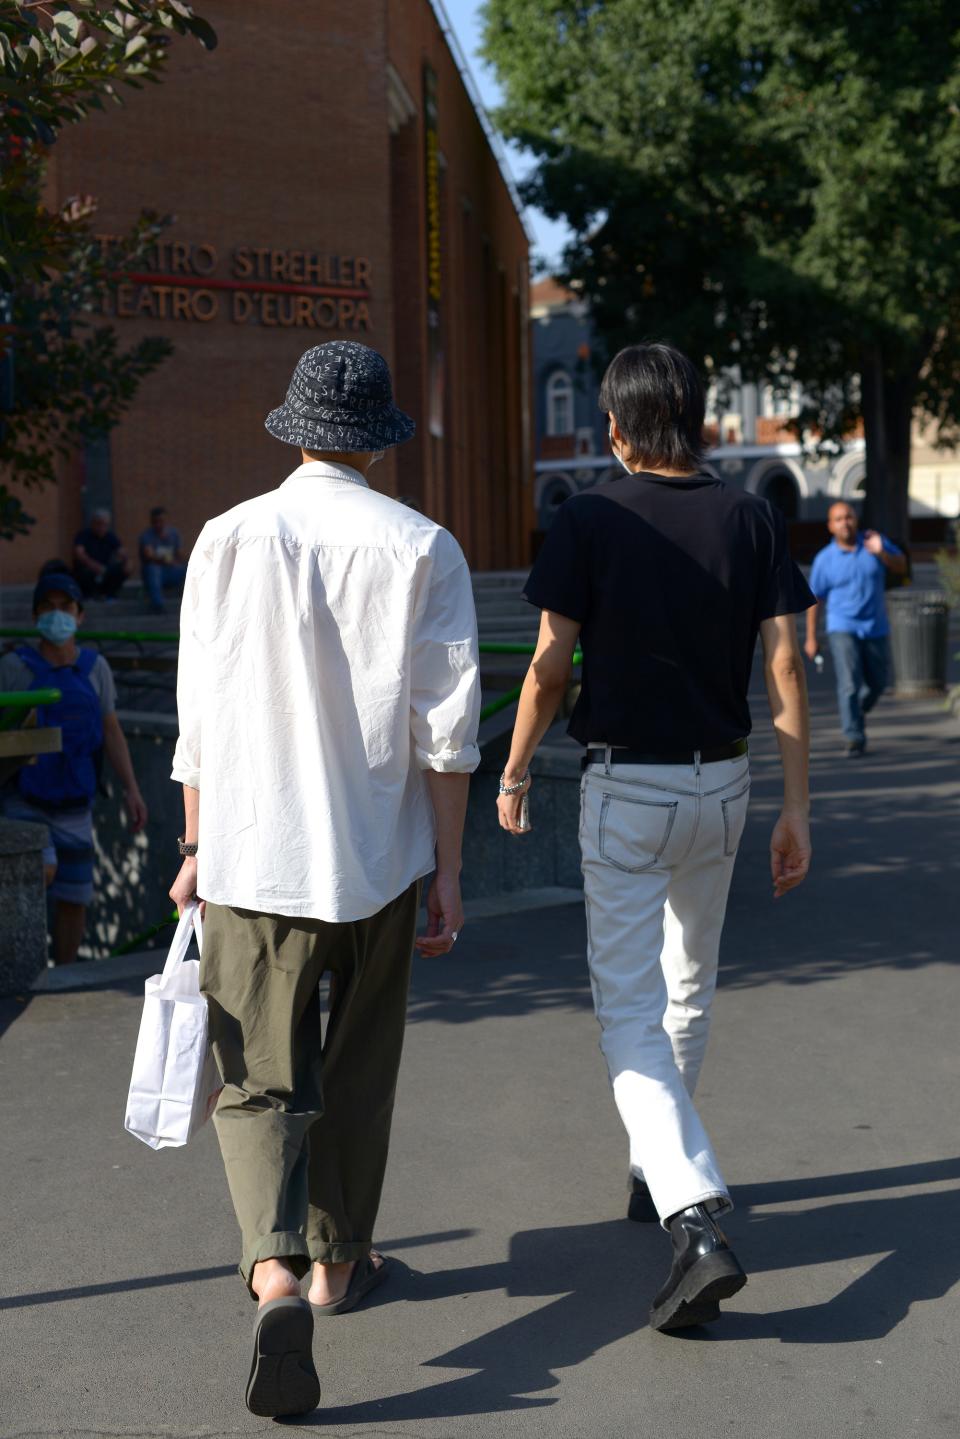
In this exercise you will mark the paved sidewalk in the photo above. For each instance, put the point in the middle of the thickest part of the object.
(519, 1304)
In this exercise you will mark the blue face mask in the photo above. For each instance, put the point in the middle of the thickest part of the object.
(57, 626)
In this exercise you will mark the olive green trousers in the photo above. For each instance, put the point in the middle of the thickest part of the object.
(304, 1118)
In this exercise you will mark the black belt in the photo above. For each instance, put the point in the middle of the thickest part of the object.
(642, 756)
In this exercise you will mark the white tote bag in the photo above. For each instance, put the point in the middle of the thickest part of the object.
(175, 1081)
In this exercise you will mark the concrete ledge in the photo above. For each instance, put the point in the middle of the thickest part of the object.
(102, 973)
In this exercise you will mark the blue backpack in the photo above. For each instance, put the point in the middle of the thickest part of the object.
(67, 780)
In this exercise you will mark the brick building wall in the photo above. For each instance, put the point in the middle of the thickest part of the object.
(293, 160)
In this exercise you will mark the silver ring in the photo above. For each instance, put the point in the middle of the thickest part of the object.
(455, 935)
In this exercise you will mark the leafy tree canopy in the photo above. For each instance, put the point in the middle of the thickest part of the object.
(768, 183)
(64, 377)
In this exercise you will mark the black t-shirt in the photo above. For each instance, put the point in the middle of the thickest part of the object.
(669, 580)
(100, 548)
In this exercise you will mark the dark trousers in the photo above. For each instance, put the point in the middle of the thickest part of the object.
(105, 586)
(861, 667)
(304, 1126)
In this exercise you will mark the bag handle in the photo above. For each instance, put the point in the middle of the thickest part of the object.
(188, 924)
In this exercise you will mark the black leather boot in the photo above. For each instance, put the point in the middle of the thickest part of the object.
(641, 1207)
(704, 1271)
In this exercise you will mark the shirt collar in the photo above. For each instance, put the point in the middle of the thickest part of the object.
(322, 470)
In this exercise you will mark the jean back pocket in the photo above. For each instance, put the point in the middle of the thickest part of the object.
(634, 832)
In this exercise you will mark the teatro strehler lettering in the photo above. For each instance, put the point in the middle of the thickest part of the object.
(312, 312)
(272, 288)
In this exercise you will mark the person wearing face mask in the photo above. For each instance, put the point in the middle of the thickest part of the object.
(328, 697)
(665, 576)
(58, 790)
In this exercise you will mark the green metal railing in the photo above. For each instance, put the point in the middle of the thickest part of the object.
(502, 702)
(19, 703)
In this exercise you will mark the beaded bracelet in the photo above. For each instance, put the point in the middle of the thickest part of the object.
(514, 788)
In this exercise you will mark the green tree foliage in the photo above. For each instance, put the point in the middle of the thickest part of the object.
(66, 377)
(768, 183)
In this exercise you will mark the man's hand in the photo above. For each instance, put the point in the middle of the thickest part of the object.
(789, 851)
(445, 917)
(811, 647)
(183, 891)
(509, 807)
(136, 809)
(873, 542)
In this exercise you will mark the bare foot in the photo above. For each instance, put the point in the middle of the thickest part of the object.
(331, 1281)
(274, 1279)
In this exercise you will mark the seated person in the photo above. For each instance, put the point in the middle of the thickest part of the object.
(161, 559)
(58, 790)
(100, 563)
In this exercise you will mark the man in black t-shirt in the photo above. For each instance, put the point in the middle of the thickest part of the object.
(666, 576)
(100, 562)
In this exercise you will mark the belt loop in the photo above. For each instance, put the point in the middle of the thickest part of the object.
(696, 763)
(607, 751)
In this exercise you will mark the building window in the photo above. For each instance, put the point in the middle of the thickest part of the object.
(775, 406)
(560, 404)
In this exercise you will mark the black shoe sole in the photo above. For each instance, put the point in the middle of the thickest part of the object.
(696, 1299)
(283, 1379)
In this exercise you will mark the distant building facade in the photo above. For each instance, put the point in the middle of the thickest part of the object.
(752, 445)
(331, 176)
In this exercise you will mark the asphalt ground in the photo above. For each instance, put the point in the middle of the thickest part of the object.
(519, 1299)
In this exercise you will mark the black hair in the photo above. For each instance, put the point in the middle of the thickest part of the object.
(157, 510)
(657, 398)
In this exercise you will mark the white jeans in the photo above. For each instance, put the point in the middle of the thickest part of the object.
(658, 845)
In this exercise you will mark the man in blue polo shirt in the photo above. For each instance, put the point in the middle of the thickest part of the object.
(850, 574)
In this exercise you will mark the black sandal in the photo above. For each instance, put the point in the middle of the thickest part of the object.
(366, 1276)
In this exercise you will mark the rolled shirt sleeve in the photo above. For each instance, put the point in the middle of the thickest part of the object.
(445, 668)
(186, 758)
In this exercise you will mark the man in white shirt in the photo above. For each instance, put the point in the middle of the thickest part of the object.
(328, 696)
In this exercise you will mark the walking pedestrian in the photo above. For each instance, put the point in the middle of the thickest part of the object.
(58, 790)
(850, 574)
(161, 559)
(665, 576)
(328, 696)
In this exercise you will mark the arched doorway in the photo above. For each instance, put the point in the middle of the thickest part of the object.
(780, 488)
(557, 489)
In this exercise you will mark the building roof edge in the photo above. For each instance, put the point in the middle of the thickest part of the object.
(493, 137)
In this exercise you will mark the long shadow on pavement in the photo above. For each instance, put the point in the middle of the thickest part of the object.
(610, 1271)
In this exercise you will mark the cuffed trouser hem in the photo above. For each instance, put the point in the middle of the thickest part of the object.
(718, 1201)
(275, 1246)
(340, 1253)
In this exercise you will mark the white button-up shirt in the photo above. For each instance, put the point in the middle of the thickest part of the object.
(328, 656)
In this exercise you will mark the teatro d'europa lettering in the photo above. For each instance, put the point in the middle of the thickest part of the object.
(248, 286)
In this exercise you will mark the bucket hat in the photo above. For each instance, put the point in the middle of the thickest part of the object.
(341, 399)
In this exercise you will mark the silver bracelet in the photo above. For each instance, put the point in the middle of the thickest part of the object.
(514, 788)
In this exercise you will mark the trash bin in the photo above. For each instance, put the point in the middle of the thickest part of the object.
(918, 640)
